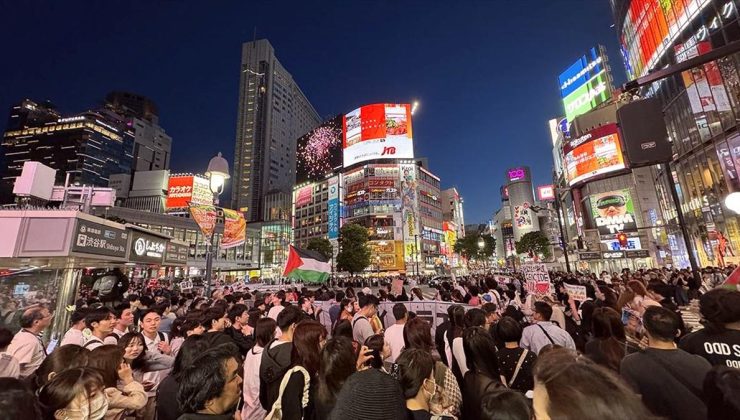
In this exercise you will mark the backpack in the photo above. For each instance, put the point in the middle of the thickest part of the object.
(271, 371)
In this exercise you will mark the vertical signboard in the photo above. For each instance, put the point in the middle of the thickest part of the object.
(333, 208)
(586, 84)
(409, 209)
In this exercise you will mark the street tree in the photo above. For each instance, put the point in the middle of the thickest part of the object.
(322, 246)
(354, 254)
(469, 247)
(534, 244)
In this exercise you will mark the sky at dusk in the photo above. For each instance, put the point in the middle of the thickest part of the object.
(485, 72)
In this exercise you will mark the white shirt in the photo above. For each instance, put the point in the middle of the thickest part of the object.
(73, 336)
(28, 350)
(252, 409)
(274, 311)
(92, 343)
(394, 338)
(459, 354)
(155, 377)
(9, 367)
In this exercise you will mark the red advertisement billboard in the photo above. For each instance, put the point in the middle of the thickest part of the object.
(378, 131)
(597, 152)
(184, 189)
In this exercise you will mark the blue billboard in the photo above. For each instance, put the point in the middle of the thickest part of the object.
(333, 210)
(580, 72)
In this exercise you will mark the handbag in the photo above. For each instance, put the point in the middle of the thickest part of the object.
(516, 370)
(276, 413)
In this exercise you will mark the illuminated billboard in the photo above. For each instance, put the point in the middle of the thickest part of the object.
(586, 84)
(546, 192)
(649, 28)
(319, 152)
(596, 153)
(613, 212)
(303, 195)
(517, 174)
(379, 131)
(184, 189)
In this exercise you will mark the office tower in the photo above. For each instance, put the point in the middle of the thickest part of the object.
(273, 114)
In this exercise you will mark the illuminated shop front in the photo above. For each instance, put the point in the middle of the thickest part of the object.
(701, 108)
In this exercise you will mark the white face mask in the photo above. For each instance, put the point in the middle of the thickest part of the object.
(429, 394)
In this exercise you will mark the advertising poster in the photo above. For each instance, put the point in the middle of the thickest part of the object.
(303, 195)
(333, 209)
(576, 292)
(378, 131)
(205, 217)
(537, 278)
(592, 94)
(546, 193)
(613, 212)
(595, 153)
(409, 208)
(182, 190)
(235, 229)
(704, 85)
(319, 152)
(522, 216)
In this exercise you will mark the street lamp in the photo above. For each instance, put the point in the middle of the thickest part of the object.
(218, 173)
(732, 202)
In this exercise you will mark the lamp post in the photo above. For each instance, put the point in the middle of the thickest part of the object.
(217, 173)
(481, 245)
(416, 254)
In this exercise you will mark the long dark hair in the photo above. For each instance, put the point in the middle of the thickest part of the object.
(417, 335)
(107, 359)
(63, 358)
(375, 343)
(337, 364)
(306, 339)
(64, 387)
(191, 348)
(480, 352)
(608, 330)
(140, 360)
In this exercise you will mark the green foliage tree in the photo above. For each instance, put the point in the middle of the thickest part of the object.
(322, 246)
(535, 243)
(354, 254)
(469, 248)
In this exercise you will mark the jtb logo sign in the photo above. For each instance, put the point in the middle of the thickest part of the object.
(388, 150)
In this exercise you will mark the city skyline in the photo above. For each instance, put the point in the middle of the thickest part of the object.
(502, 68)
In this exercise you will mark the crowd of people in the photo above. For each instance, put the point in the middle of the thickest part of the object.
(498, 350)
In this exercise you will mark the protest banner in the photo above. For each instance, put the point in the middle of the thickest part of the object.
(397, 287)
(537, 278)
(576, 292)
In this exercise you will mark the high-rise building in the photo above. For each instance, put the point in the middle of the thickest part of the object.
(88, 147)
(153, 147)
(273, 114)
(452, 209)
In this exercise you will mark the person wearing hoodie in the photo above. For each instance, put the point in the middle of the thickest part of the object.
(276, 356)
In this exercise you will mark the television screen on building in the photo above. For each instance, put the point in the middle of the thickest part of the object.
(613, 212)
(319, 152)
(596, 153)
(378, 131)
(586, 84)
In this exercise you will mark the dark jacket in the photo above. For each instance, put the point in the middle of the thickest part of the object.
(476, 385)
(216, 338)
(167, 406)
(439, 340)
(244, 342)
(275, 362)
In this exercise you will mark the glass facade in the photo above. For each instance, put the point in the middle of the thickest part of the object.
(702, 108)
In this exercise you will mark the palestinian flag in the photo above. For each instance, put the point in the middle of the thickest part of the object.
(309, 266)
(732, 281)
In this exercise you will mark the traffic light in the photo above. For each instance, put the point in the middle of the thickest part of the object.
(622, 238)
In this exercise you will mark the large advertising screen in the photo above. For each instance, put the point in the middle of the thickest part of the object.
(597, 152)
(648, 28)
(379, 131)
(613, 212)
(586, 84)
(319, 152)
(184, 189)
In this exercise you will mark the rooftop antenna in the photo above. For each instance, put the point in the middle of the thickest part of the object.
(254, 43)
